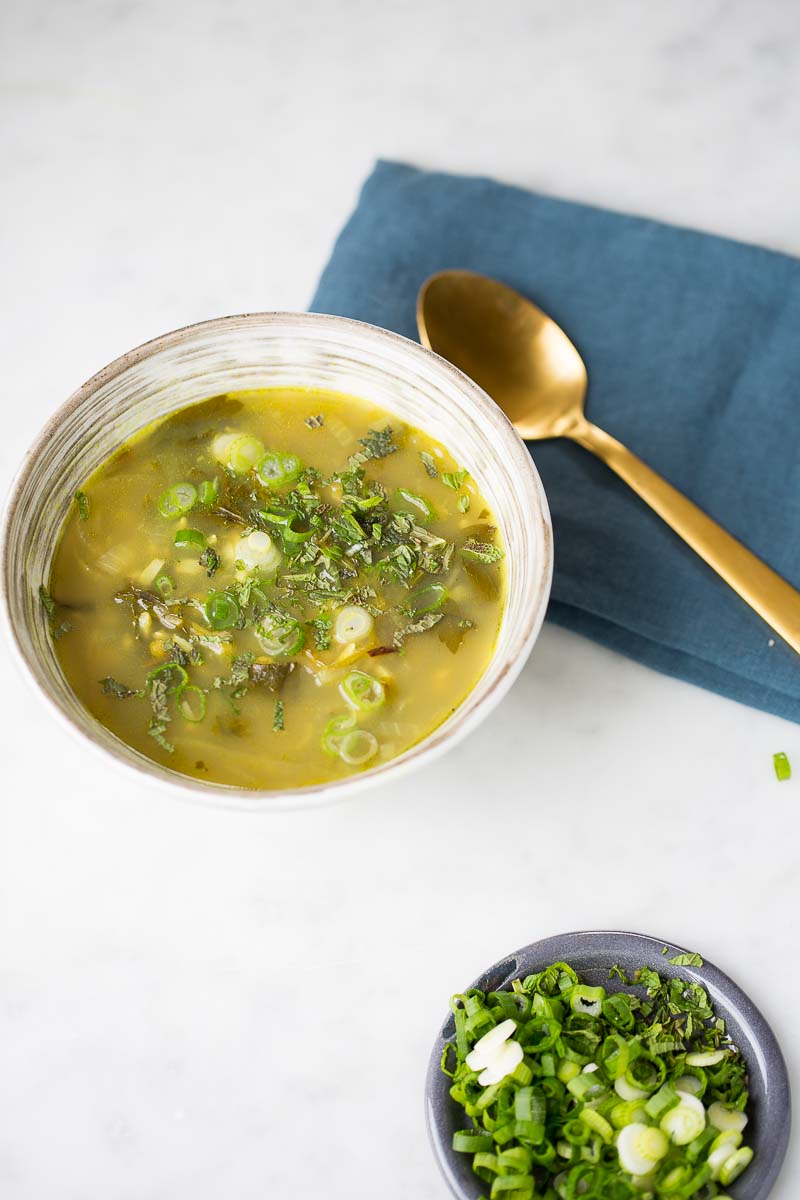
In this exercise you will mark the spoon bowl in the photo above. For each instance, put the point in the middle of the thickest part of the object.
(514, 350)
(530, 368)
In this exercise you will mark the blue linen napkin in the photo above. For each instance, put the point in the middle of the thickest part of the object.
(692, 345)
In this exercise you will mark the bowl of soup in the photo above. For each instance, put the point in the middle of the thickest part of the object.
(273, 558)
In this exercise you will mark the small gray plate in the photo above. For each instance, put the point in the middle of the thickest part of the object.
(592, 954)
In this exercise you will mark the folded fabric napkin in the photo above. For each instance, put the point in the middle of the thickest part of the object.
(692, 345)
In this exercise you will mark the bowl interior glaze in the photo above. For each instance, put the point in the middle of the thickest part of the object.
(276, 350)
(592, 954)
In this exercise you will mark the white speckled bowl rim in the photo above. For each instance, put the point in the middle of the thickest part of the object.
(592, 954)
(504, 448)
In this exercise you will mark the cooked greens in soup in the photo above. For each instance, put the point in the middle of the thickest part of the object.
(276, 588)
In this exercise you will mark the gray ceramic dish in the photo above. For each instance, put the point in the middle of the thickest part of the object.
(592, 954)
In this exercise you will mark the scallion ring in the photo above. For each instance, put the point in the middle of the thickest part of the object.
(277, 469)
(352, 624)
(177, 500)
(281, 637)
(243, 453)
(358, 747)
(190, 702)
(190, 537)
(362, 691)
(334, 731)
(222, 610)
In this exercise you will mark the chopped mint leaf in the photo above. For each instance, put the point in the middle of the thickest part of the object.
(475, 551)
(429, 463)
(47, 600)
(425, 622)
(686, 960)
(113, 687)
(210, 560)
(454, 479)
(321, 632)
(377, 444)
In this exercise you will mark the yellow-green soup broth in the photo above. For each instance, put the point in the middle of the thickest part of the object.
(276, 588)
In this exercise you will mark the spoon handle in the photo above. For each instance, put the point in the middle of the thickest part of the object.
(762, 588)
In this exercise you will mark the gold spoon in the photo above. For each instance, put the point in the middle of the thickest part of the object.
(531, 369)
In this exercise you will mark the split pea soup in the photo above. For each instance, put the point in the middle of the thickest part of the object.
(276, 588)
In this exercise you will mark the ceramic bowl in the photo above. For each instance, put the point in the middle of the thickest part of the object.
(275, 350)
(592, 954)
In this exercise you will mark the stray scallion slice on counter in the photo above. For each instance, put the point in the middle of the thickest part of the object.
(783, 769)
(569, 1090)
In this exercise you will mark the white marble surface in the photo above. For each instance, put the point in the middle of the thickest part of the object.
(196, 1003)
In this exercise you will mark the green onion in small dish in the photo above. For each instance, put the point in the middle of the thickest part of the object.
(578, 1076)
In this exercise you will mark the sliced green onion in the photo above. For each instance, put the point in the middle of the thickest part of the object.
(164, 585)
(470, 1141)
(362, 691)
(732, 1168)
(280, 636)
(285, 519)
(724, 1118)
(419, 506)
(222, 610)
(243, 453)
(277, 469)
(358, 747)
(177, 500)
(587, 1000)
(352, 624)
(708, 1058)
(190, 537)
(335, 731)
(190, 702)
(783, 768)
(208, 492)
(425, 599)
(685, 1122)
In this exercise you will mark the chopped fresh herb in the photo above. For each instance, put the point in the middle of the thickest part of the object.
(783, 768)
(686, 960)
(315, 422)
(463, 503)
(47, 601)
(277, 721)
(475, 551)
(454, 479)
(321, 632)
(51, 608)
(210, 560)
(429, 463)
(378, 443)
(465, 623)
(113, 687)
(425, 622)
(161, 716)
(82, 501)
